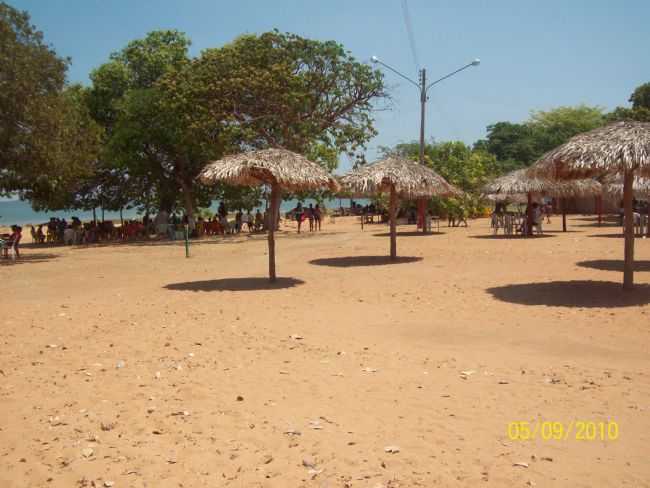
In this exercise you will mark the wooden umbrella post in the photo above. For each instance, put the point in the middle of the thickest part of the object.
(628, 269)
(393, 223)
(529, 215)
(563, 204)
(275, 195)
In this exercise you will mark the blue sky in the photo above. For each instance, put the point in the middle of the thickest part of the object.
(534, 55)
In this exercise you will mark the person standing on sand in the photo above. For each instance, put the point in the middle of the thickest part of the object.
(310, 216)
(259, 220)
(317, 217)
(299, 214)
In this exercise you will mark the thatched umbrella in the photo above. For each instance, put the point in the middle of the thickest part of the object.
(618, 148)
(518, 182)
(574, 188)
(522, 182)
(401, 178)
(278, 168)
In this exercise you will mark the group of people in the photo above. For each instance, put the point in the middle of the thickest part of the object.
(311, 213)
(220, 225)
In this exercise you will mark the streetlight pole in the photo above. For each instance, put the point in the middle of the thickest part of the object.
(422, 86)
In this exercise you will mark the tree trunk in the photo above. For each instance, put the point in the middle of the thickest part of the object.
(421, 214)
(529, 215)
(563, 204)
(393, 223)
(103, 215)
(628, 269)
(94, 216)
(121, 218)
(189, 199)
(275, 197)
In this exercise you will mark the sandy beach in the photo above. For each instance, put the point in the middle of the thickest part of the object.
(128, 365)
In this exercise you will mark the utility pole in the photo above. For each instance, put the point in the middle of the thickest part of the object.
(422, 86)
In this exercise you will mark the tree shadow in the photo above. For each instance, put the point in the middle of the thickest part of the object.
(510, 237)
(410, 233)
(359, 261)
(30, 258)
(568, 231)
(613, 265)
(235, 284)
(587, 294)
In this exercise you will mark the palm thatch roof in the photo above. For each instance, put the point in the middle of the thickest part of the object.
(410, 179)
(586, 187)
(516, 182)
(521, 182)
(613, 148)
(506, 197)
(613, 186)
(290, 170)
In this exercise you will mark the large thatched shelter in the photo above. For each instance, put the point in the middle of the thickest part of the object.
(278, 168)
(520, 182)
(619, 148)
(400, 178)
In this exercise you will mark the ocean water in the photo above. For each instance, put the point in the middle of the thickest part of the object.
(21, 213)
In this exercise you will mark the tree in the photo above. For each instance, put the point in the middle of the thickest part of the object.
(554, 127)
(71, 159)
(512, 144)
(33, 108)
(640, 98)
(150, 127)
(640, 110)
(520, 145)
(282, 90)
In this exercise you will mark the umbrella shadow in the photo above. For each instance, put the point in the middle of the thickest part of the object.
(359, 261)
(620, 236)
(585, 294)
(31, 258)
(409, 234)
(613, 265)
(235, 284)
(508, 237)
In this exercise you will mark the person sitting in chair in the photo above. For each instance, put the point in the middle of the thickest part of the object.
(12, 242)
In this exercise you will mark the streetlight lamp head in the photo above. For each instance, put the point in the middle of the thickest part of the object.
(476, 62)
(374, 59)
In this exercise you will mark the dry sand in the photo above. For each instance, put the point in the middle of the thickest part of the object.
(133, 365)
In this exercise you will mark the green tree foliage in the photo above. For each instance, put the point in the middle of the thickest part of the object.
(519, 145)
(72, 155)
(640, 110)
(282, 90)
(640, 98)
(151, 136)
(46, 137)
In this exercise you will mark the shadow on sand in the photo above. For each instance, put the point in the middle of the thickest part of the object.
(31, 258)
(606, 294)
(353, 261)
(409, 234)
(235, 284)
(620, 236)
(613, 265)
(497, 237)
